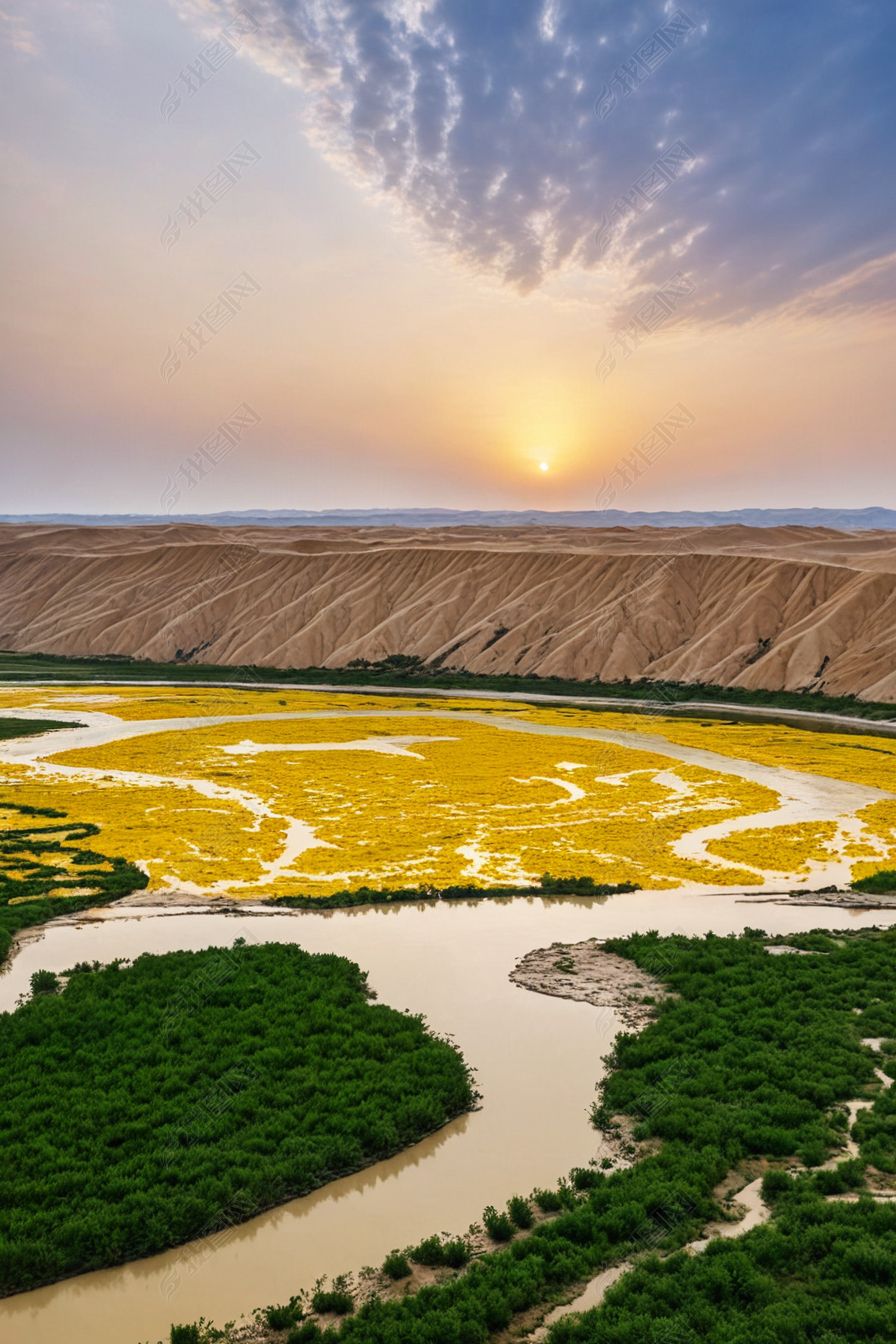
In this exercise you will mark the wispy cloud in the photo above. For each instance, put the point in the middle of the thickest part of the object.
(17, 32)
(481, 122)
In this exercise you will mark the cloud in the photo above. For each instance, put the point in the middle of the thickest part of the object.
(527, 137)
(18, 33)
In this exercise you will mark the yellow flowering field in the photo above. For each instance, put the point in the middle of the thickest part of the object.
(858, 758)
(334, 790)
(163, 702)
(781, 849)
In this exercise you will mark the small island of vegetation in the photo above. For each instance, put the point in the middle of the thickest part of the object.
(195, 1089)
(14, 727)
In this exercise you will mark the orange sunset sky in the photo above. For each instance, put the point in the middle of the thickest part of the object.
(432, 301)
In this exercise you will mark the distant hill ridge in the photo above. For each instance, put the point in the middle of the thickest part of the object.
(772, 608)
(844, 520)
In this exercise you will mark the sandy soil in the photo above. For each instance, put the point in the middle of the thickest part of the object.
(785, 607)
(585, 971)
(836, 900)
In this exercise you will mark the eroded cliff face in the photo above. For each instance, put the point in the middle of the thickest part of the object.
(777, 608)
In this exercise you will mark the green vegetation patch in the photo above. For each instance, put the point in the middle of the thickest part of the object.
(405, 669)
(752, 1057)
(147, 1105)
(548, 885)
(756, 1049)
(820, 1272)
(45, 871)
(30, 727)
(882, 883)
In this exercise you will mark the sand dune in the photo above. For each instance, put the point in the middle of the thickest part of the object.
(787, 607)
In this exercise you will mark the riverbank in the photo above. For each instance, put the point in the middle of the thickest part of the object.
(452, 962)
(405, 677)
(831, 900)
(589, 973)
(584, 972)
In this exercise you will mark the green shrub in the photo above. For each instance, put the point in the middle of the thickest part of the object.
(774, 1184)
(336, 1301)
(430, 1252)
(396, 1265)
(433, 1252)
(497, 1225)
(186, 1334)
(813, 1153)
(520, 1212)
(307, 1333)
(44, 982)
(881, 883)
(840, 1179)
(585, 1178)
(281, 1318)
(456, 1253)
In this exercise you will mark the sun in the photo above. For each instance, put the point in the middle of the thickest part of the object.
(544, 466)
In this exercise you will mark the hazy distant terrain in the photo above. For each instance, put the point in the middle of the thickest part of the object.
(847, 520)
(774, 608)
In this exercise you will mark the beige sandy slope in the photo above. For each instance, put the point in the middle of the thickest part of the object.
(773, 608)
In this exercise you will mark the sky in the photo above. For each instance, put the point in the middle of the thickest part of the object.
(559, 254)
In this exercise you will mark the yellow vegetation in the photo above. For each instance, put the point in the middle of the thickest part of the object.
(337, 790)
(780, 849)
(856, 758)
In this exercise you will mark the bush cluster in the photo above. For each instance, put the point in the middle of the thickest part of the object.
(192, 1090)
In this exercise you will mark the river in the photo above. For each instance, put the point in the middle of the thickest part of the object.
(537, 1060)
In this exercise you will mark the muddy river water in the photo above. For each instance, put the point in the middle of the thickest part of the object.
(537, 1060)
